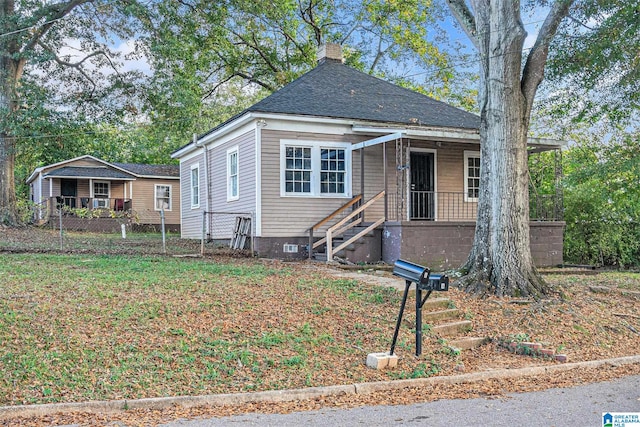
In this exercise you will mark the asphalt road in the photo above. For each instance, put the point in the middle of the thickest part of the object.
(571, 407)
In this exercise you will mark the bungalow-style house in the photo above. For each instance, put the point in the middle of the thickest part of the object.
(87, 187)
(342, 163)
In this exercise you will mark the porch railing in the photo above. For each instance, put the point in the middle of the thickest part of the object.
(346, 223)
(455, 206)
(68, 205)
(354, 203)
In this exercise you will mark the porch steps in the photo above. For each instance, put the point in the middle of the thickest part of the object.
(322, 255)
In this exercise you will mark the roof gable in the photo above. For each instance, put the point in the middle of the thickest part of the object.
(116, 170)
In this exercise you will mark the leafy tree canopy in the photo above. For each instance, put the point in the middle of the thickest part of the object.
(594, 64)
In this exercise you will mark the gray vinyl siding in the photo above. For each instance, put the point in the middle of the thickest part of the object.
(191, 221)
(246, 202)
(292, 216)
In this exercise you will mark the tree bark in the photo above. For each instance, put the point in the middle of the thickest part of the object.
(13, 56)
(500, 260)
(9, 71)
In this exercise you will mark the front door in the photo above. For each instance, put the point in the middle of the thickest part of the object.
(422, 186)
(69, 191)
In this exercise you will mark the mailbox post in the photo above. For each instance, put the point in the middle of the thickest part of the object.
(425, 281)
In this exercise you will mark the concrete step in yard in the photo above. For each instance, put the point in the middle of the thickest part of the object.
(468, 343)
(444, 321)
(434, 304)
(439, 320)
(452, 328)
(433, 316)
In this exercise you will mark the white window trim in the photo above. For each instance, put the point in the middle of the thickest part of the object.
(96, 200)
(155, 197)
(467, 155)
(191, 192)
(230, 152)
(315, 168)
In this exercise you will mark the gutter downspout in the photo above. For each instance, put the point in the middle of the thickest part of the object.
(206, 170)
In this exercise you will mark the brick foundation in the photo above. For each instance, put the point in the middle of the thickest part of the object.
(443, 245)
(440, 245)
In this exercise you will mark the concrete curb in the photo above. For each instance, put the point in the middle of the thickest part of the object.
(8, 412)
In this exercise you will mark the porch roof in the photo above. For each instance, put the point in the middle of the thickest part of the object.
(89, 173)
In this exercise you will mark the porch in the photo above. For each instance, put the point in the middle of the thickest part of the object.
(87, 207)
(402, 212)
(85, 197)
(456, 206)
(436, 229)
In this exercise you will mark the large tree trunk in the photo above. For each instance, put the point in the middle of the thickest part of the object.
(10, 69)
(14, 51)
(8, 214)
(500, 261)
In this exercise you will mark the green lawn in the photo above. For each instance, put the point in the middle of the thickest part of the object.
(105, 327)
(95, 327)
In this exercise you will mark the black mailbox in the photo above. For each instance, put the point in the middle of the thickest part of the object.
(421, 276)
(438, 282)
(411, 272)
(425, 281)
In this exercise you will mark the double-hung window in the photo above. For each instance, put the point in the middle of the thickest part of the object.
(195, 186)
(317, 169)
(163, 197)
(471, 176)
(332, 170)
(297, 169)
(100, 194)
(233, 183)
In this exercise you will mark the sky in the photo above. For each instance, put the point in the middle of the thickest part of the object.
(129, 62)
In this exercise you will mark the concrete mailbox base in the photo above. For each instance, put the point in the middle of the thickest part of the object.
(381, 360)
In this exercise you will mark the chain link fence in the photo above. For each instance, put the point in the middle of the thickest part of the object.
(104, 231)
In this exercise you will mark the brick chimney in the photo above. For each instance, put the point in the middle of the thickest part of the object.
(329, 52)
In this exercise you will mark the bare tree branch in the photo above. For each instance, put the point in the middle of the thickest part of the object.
(54, 12)
(253, 79)
(379, 54)
(216, 86)
(533, 72)
(465, 17)
(249, 78)
(78, 65)
(307, 16)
